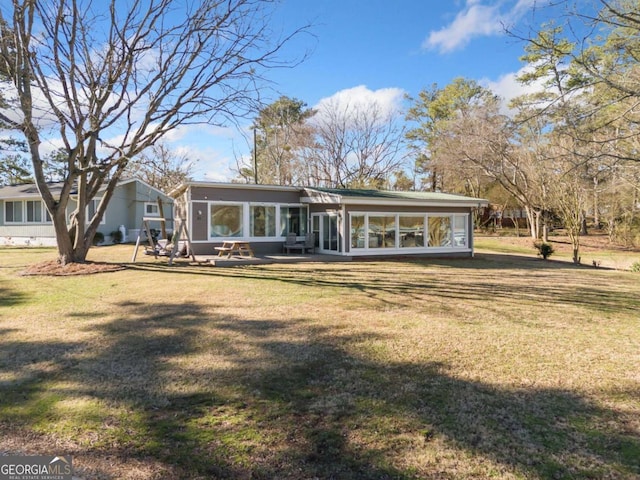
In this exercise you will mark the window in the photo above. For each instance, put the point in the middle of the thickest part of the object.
(34, 211)
(357, 231)
(382, 231)
(13, 212)
(92, 208)
(226, 221)
(459, 231)
(151, 210)
(411, 231)
(293, 220)
(262, 221)
(439, 231)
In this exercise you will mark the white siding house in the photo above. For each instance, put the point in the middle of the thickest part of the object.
(24, 220)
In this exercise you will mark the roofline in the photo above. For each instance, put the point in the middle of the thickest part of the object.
(320, 196)
(240, 186)
(136, 179)
(471, 202)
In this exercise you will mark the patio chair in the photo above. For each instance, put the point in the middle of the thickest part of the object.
(291, 244)
(309, 243)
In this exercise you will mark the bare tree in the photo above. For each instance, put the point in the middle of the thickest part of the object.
(112, 80)
(356, 145)
(161, 167)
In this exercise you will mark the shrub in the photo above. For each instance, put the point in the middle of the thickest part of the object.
(636, 267)
(545, 250)
(116, 236)
(98, 238)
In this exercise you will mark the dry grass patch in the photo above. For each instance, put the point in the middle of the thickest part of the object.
(500, 366)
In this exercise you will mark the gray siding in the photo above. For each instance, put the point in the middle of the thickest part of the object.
(244, 195)
(199, 221)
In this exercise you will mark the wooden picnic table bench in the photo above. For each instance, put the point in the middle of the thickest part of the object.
(240, 248)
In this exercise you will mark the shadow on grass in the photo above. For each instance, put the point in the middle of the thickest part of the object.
(498, 280)
(10, 297)
(193, 394)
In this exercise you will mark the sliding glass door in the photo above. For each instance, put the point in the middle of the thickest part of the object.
(325, 229)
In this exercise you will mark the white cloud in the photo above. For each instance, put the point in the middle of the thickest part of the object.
(508, 87)
(387, 102)
(474, 20)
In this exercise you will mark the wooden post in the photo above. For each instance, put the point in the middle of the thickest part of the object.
(163, 226)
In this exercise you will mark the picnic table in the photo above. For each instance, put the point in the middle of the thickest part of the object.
(240, 248)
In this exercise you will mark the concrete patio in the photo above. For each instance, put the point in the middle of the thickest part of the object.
(236, 260)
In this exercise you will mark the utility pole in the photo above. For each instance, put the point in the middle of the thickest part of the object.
(255, 156)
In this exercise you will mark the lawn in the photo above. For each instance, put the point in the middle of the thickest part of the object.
(501, 366)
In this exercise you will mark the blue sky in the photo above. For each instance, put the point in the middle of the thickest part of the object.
(380, 49)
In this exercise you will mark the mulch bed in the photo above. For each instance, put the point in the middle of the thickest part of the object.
(54, 268)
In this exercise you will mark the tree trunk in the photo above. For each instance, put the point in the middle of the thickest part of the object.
(532, 220)
(67, 252)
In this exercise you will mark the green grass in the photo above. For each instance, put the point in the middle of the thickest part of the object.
(501, 366)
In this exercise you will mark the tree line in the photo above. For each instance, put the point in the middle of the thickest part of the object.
(566, 152)
(111, 83)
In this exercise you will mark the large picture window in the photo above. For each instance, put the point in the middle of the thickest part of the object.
(382, 231)
(293, 220)
(262, 221)
(226, 221)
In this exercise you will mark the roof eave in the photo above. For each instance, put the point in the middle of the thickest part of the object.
(337, 199)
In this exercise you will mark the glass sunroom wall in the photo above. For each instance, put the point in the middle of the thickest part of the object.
(358, 231)
(411, 231)
(382, 231)
(460, 235)
(439, 231)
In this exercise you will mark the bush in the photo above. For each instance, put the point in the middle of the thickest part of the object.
(636, 267)
(116, 236)
(98, 238)
(545, 250)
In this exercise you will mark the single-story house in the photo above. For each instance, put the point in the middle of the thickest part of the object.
(346, 222)
(24, 220)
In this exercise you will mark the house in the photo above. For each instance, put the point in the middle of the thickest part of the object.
(343, 221)
(24, 220)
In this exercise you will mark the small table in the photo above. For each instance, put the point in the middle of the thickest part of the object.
(239, 248)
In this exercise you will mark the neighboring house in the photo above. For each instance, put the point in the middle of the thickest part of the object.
(24, 220)
(343, 222)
